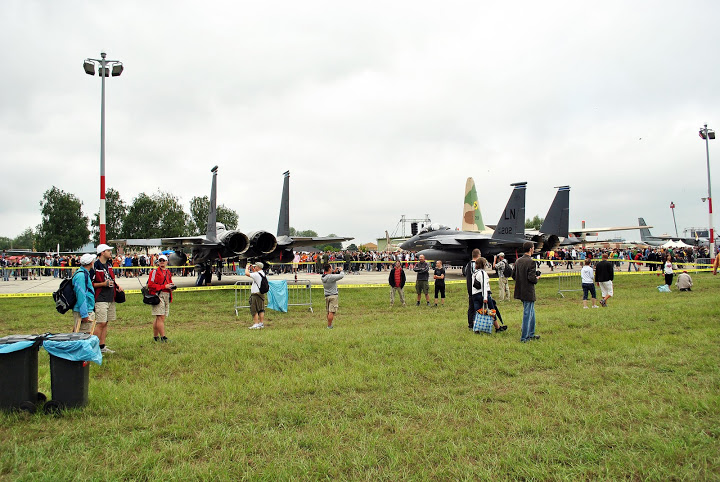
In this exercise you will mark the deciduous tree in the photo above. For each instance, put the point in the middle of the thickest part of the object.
(62, 223)
(115, 212)
(199, 209)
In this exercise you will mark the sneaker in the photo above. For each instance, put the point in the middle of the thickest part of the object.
(603, 303)
(257, 326)
(106, 350)
(585, 307)
(330, 327)
(535, 337)
(502, 328)
(595, 306)
(164, 339)
(417, 304)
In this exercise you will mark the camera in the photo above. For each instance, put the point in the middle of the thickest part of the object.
(173, 287)
(537, 272)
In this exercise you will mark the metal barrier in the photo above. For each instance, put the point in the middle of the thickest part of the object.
(299, 294)
(569, 282)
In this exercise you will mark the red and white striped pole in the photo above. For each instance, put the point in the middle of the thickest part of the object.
(102, 151)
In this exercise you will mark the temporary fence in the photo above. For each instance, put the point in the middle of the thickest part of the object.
(569, 282)
(299, 294)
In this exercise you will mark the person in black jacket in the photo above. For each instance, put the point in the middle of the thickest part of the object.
(468, 272)
(396, 280)
(604, 275)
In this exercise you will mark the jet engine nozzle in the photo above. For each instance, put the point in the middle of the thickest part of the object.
(262, 242)
(539, 242)
(235, 241)
(552, 242)
(177, 258)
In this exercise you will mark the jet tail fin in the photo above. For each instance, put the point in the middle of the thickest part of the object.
(557, 221)
(512, 221)
(212, 213)
(644, 232)
(283, 228)
(472, 218)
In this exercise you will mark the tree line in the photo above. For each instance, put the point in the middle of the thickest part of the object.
(148, 216)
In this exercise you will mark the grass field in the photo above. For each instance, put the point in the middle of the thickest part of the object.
(627, 392)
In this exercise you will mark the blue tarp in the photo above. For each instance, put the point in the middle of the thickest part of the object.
(278, 295)
(75, 350)
(17, 346)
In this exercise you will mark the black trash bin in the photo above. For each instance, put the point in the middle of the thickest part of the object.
(69, 379)
(19, 374)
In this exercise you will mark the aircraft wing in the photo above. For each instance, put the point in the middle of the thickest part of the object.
(179, 241)
(298, 241)
(579, 232)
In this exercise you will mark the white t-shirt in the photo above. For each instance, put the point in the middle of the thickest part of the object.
(255, 285)
(587, 274)
(668, 267)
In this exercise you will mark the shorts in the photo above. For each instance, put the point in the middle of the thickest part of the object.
(422, 287)
(606, 288)
(105, 311)
(440, 289)
(162, 308)
(257, 303)
(331, 303)
(84, 327)
(588, 288)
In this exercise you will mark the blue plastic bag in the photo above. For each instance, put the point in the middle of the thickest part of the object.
(75, 350)
(278, 295)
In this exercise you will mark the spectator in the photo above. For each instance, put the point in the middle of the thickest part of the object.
(604, 276)
(588, 285)
(468, 272)
(257, 299)
(422, 283)
(396, 280)
(439, 277)
(329, 281)
(481, 292)
(105, 286)
(668, 270)
(503, 287)
(83, 311)
(684, 282)
(526, 277)
(160, 283)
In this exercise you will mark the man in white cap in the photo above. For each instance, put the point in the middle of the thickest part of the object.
(160, 283)
(103, 280)
(85, 294)
(257, 297)
(500, 265)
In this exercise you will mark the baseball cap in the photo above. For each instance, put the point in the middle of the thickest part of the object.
(162, 256)
(103, 247)
(86, 259)
(501, 254)
(258, 265)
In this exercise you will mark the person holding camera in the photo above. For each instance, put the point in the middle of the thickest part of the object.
(257, 299)
(329, 280)
(526, 277)
(160, 283)
(106, 288)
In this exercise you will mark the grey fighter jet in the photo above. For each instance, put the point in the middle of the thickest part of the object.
(219, 243)
(454, 247)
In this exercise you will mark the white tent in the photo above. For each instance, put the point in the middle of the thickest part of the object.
(675, 244)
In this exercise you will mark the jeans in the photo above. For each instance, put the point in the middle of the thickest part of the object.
(6, 274)
(528, 322)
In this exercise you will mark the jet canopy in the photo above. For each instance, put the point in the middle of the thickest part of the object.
(433, 227)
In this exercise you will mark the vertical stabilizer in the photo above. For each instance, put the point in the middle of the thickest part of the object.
(284, 219)
(644, 232)
(557, 221)
(472, 219)
(212, 213)
(511, 225)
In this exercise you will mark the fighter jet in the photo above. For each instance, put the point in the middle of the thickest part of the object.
(651, 240)
(219, 243)
(438, 242)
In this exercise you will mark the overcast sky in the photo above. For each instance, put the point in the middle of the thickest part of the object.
(378, 109)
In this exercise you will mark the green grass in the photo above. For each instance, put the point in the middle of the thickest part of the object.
(627, 392)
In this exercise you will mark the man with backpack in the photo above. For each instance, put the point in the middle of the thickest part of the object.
(83, 310)
(258, 288)
(504, 271)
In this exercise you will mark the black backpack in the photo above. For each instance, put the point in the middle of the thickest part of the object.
(264, 285)
(507, 270)
(64, 297)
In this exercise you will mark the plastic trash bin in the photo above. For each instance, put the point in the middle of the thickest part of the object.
(19, 372)
(70, 357)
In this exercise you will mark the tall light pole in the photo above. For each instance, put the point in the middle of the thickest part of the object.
(672, 208)
(708, 134)
(105, 67)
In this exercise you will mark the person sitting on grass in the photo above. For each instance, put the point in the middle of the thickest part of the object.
(684, 282)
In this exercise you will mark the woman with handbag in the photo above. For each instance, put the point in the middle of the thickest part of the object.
(481, 291)
(160, 283)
